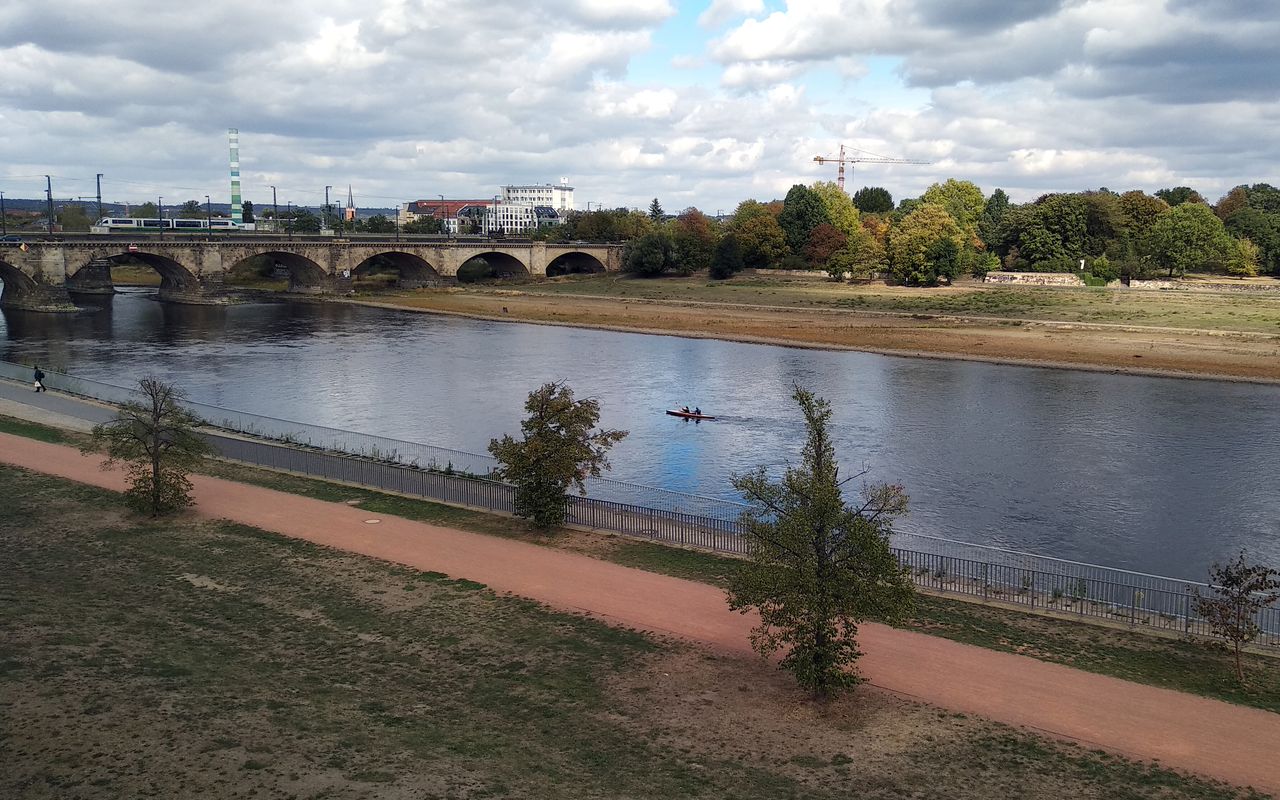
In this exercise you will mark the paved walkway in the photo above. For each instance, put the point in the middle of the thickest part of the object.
(1233, 743)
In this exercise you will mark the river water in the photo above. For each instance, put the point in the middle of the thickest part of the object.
(1155, 474)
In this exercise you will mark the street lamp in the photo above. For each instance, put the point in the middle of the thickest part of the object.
(444, 214)
(324, 215)
(275, 210)
(4, 219)
(288, 226)
(208, 214)
(160, 215)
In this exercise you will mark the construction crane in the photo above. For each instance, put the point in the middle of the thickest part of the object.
(862, 157)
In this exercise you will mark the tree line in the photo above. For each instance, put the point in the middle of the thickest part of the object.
(952, 229)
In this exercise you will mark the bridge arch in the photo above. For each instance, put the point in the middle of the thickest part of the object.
(305, 275)
(412, 271)
(500, 265)
(18, 286)
(575, 262)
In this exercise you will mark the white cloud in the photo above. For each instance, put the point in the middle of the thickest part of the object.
(721, 11)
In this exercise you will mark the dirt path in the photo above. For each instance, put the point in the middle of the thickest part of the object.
(1142, 350)
(1232, 743)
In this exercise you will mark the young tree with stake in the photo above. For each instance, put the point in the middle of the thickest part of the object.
(1237, 592)
(157, 443)
(817, 566)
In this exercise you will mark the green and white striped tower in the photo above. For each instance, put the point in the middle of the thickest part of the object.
(237, 211)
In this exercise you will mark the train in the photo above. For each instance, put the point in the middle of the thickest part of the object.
(132, 225)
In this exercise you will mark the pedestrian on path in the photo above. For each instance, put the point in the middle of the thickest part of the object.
(39, 380)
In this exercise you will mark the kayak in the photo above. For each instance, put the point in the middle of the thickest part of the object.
(675, 412)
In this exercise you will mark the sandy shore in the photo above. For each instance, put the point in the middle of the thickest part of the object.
(1213, 355)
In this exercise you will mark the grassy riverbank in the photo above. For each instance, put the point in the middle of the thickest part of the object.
(1183, 333)
(193, 658)
(1190, 666)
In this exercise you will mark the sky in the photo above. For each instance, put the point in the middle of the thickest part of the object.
(698, 104)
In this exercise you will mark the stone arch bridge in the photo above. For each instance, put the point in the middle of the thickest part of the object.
(38, 275)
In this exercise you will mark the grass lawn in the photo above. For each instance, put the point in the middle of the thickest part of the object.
(187, 658)
(1251, 312)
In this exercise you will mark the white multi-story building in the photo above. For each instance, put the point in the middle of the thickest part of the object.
(557, 196)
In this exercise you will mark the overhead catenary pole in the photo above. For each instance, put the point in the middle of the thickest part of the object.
(98, 180)
(275, 210)
(160, 214)
(208, 214)
(4, 218)
(324, 215)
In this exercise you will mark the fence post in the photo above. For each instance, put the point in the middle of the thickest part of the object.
(1133, 606)
(986, 578)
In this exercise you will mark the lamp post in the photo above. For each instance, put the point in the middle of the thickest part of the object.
(444, 214)
(98, 180)
(275, 210)
(4, 219)
(324, 215)
(288, 226)
(208, 214)
(160, 215)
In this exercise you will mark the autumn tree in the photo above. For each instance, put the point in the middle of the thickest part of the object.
(823, 242)
(157, 443)
(1237, 592)
(873, 200)
(1231, 202)
(559, 449)
(695, 240)
(816, 566)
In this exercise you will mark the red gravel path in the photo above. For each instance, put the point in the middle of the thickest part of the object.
(1233, 743)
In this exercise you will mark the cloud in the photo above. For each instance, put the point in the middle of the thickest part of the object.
(721, 11)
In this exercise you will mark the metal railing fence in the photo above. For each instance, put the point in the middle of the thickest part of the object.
(942, 565)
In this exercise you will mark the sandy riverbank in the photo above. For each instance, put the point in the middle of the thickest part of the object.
(1222, 355)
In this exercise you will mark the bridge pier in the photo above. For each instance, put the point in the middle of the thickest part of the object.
(195, 291)
(39, 297)
(93, 279)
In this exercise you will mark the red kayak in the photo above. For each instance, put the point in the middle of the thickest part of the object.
(675, 412)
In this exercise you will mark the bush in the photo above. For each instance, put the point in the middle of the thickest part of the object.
(650, 255)
(1104, 269)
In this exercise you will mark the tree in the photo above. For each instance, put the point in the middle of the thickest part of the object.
(145, 211)
(1231, 202)
(560, 448)
(913, 246)
(72, 217)
(191, 210)
(873, 200)
(695, 240)
(158, 445)
(1237, 592)
(761, 237)
(840, 209)
(1263, 230)
(824, 241)
(963, 200)
(1179, 195)
(655, 211)
(303, 221)
(993, 212)
(1190, 238)
(378, 223)
(422, 224)
(246, 211)
(727, 260)
(802, 211)
(817, 567)
(650, 255)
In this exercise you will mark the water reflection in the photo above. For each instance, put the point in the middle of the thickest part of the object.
(1156, 474)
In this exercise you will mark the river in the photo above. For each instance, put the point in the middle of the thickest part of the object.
(1160, 475)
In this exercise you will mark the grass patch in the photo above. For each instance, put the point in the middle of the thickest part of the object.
(33, 430)
(193, 658)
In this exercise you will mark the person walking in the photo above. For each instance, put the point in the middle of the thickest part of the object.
(39, 380)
